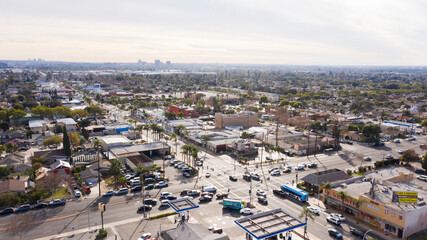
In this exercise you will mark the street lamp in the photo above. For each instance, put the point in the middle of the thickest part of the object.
(366, 233)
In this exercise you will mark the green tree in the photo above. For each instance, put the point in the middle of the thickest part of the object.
(66, 143)
(52, 140)
(115, 170)
(245, 135)
(371, 132)
(424, 163)
(410, 156)
(174, 137)
(358, 203)
(263, 99)
(10, 147)
(342, 195)
(94, 110)
(5, 171)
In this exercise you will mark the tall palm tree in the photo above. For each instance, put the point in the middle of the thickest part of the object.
(194, 154)
(205, 139)
(185, 151)
(343, 195)
(180, 129)
(306, 213)
(175, 138)
(139, 128)
(146, 127)
(358, 203)
(328, 186)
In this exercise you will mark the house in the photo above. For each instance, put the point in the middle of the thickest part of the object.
(11, 135)
(61, 167)
(12, 160)
(69, 123)
(12, 185)
(38, 125)
(89, 175)
(50, 155)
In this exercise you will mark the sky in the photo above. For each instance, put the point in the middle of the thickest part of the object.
(303, 32)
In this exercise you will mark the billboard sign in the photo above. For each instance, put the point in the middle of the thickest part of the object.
(405, 197)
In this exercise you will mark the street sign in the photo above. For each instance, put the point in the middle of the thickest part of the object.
(257, 185)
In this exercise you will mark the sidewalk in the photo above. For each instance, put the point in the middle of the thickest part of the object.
(351, 221)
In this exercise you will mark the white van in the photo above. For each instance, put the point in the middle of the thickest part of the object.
(209, 189)
(135, 182)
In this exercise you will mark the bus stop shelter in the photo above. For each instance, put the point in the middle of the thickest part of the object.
(269, 224)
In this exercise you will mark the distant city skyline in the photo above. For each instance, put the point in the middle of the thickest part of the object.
(310, 32)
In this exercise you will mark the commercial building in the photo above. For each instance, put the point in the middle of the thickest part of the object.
(114, 141)
(218, 140)
(244, 119)
(391, 202)
(172, 126)
(187, 111)
(242, 147)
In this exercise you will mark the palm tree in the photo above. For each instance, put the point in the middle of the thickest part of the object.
(328, 186)
(175, 138)
(358, 203)
(185, 151)
(343, 195)
(180, 128)
(146, 127)
(139, 128)
(194, 154)
(307, 214)
(205, 139)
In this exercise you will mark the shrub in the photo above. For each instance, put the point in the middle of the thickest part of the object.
(102, 234)
(162, 215)
(349, 172)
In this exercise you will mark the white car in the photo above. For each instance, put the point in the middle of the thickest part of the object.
(401, 151)
(338, 216)
(367, 158)
(145, 236)
(247, 211)
(313, 210)
(165, 194)
(77, 193)
(260, 192)
(333, 220)
(299, 167)
(275, 173)
(396, 140)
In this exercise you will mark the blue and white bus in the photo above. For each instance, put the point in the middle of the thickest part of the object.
(295, 192)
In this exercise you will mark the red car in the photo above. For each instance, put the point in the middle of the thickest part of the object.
(86, 190)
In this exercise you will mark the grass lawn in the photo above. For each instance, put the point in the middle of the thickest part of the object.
(61, 192)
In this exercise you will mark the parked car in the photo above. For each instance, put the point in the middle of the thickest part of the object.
(40, 206)
(149, 180)
(410, 139)
(198, 163)
(208, 194)
(42, 148)
(171, 197)
(313, 210)
(333, 220)
(164, 203)
(186, 174)
(193, 193)
(389, 157)
(149, 187)
(144, 208)
(232, 178)
(312, 165)
(357, 233)
(396, 140)
(367, 158)
(122, 191)
(165, 194)
(7, 211)
(161, 185)
(401, 151)
(260, 192)
(334, 233)
(57, 202)
(208, 175)
(246, 211)
(150, 201)
(23, 208)
(299, 167)
(422, 177)
(205, 198)
(136, 189)
(263, 200)
(77, 193)
(221, 195)
(108, 193)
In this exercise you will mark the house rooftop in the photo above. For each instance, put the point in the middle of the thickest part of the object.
(66, 121)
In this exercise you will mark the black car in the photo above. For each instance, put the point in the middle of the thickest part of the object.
(136, 189)
(247, 177)
(184, 192)
(40, 205)
(357, 233)
(279, 192)
(144, 208)
(335, 234)
(149, 180)
(7, 211)
(150, 201)
(205, 198)
(263, 200)
(233, 178)
(312, 165)
(23, 208)
(149, 187)
(171, 197)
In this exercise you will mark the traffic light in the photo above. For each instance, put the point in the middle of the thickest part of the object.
(250, 191)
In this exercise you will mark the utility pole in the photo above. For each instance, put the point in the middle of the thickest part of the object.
(99, 172)
(277, 132)
(315, 145)
(308, 143)
(101, 208)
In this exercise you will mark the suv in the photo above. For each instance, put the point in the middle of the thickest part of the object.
(57, 202)
(247, 177)
(333, 220)
(23, 208)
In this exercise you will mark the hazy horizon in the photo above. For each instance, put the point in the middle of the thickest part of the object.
(324, 32)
